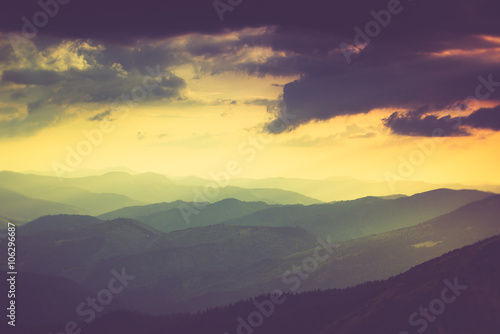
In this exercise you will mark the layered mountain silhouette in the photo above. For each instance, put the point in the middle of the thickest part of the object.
(95, 195)
(339, 188)
(196, 268)
(380, 256)
(20, 208)
(341, 220)
(168, 217)
(365, 216)
(199, 261)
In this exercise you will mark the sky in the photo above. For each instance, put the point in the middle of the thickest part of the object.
(369, 89)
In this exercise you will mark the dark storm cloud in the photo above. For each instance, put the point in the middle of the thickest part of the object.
(418, 124)
(415, 124)
(123, 21)
(485, 118)
(400, 68)
(397, 69)
(408, 83)
(141, 57)
(92, 85)
(32, 77)
(382, 80)
(35, 106)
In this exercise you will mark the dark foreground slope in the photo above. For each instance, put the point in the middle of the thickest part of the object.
(42, 300)
(472, 306)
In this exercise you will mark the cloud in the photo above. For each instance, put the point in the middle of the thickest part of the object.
(89, 86)
(49, 79)
(417, 124)
(261, 102)
(398, 80)
(365, 136)
(484, 118)
(32, 77)
(9, 113)
(100, 116)
(152, 19)
(17, 95)
(8, 110)
(26, 124)
(354, 131)
(403, 68)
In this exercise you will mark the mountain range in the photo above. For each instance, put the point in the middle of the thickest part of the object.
(95, 195)
(196, 268)
(341, 220)
(201, 262)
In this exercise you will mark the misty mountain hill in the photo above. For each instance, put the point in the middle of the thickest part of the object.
(380, 256)
(370, 215)
(330, 189)
(25, 183)
(342, 220)
(396, 196)
(268, 195)
(83, 172)
(341, 188)
(21, 208)
(167, 217)
(62, 244)
(93, 203)
(51, 189)
(58, 223)
(95, 192)
(134, 212)
(122, 183)
(155, 188)
(221, 233)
